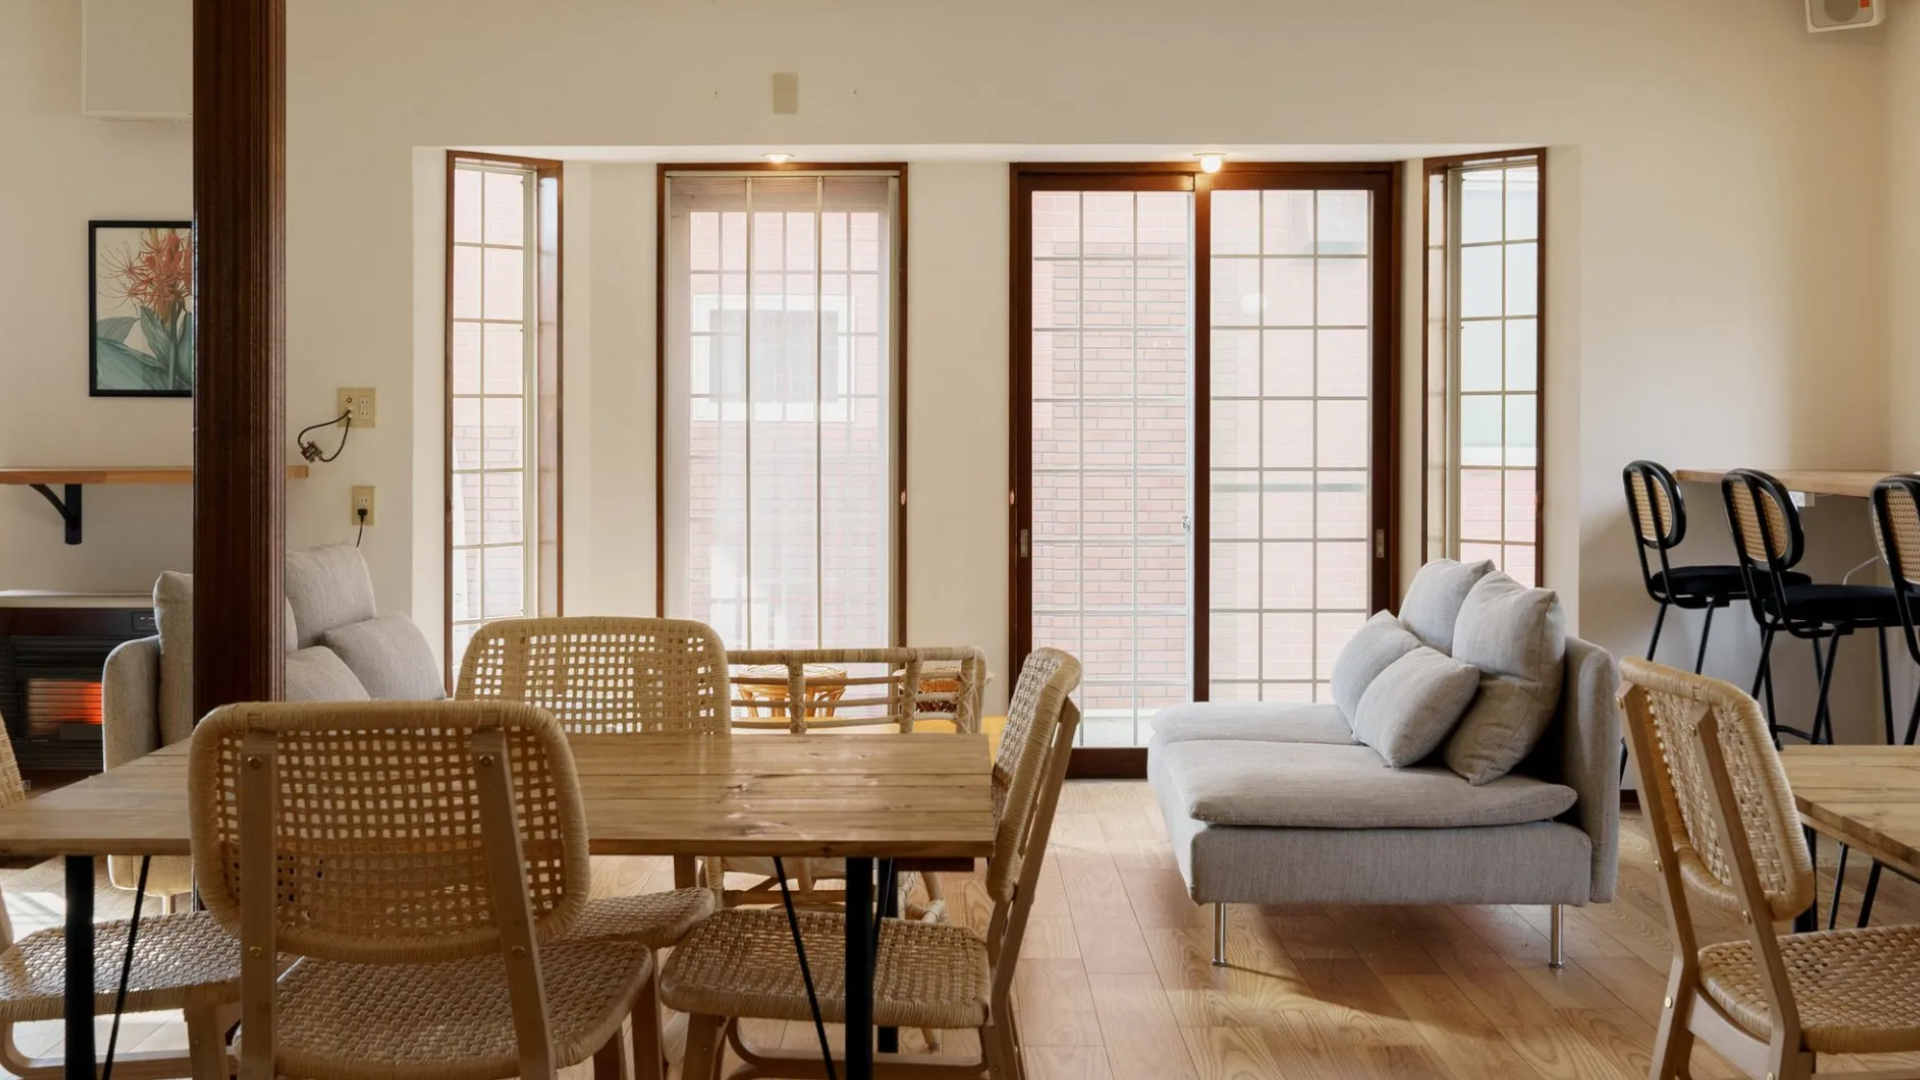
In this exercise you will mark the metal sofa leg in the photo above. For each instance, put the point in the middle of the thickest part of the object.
(1219, 935)
(1556, 951)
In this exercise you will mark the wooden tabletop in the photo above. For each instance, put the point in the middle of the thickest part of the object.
(112, 474)
(1864, 796)
(837, 795)
(1851, 483)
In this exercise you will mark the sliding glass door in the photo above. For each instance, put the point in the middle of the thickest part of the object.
(1202, 474)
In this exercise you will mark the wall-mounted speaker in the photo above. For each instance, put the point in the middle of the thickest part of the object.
(1823, 15)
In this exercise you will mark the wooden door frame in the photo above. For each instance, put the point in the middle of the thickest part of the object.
(1380, 178)
(551, 441)
(1443, 167)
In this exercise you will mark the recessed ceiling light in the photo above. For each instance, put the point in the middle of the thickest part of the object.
(1211, 160)
(777, 159)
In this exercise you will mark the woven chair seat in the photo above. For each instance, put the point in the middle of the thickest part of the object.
(741, 963)
(177, 960)
(657, 920)
(1858, 991)
(447, 1021)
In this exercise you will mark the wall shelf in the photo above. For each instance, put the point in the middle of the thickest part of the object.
(73, 480)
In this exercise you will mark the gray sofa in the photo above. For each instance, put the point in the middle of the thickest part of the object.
(339, 648)
(1280, 804)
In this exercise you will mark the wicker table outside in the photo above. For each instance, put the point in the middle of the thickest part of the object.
(842, 795)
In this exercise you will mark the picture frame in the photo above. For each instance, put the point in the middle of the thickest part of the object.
(141, 309)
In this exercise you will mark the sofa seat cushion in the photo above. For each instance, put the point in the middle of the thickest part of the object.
(1307, 786)
(1251, 721)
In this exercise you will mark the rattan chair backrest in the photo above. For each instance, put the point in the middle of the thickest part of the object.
(800, 690)
(1653, 502)
(1020, 770)
(1896, 526)
(601, 675)
(1666, 706)
(376, 824)
(1766, 527)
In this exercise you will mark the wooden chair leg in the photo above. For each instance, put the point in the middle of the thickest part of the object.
(207, 1042)
(649, 1048)
(703, 1047)
(611, 1061)
(996, 1046)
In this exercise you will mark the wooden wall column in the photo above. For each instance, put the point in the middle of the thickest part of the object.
(239, 407)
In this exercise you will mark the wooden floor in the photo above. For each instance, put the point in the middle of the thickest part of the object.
(1115, 984)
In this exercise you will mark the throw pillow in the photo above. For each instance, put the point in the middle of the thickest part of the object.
(328, 587)
(1432, 604)
(1368, 653)
(1517, 637)
(390, 656)
(318, 674)
(1408, 709)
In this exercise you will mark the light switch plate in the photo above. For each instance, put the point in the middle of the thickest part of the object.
(362, 499)
(358, 402)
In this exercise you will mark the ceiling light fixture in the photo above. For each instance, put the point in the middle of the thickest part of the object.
(777, 159)
(1211, 160)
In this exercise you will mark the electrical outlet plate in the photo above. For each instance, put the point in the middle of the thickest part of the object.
(362, 500)
(358, 402)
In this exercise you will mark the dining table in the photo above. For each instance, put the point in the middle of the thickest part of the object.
(922, 800)
(1865, 797)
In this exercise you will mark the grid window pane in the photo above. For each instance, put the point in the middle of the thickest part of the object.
(1495, 358)
(1311, 439)
(1112, 560)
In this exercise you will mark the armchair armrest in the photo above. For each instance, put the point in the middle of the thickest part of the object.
(129, 699)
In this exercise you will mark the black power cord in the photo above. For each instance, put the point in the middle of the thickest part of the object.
(311, 451)
(362, 512)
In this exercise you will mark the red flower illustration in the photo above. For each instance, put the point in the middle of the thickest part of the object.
(159, 277)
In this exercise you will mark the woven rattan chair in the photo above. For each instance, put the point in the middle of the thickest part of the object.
(741, 962)
(614, 676)
(184, 962)
(1725, 832)
(900, 688)
(424, 861)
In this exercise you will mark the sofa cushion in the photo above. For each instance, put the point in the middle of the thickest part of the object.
(1299, 785)
(318, 674)
(1517, 637)
(1432, 603)
(1408, 710)
(173, 617)
(327, 587)
(1256, 721)
(1376, 645)
(390, 657)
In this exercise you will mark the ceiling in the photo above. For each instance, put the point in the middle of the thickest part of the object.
(997, 152)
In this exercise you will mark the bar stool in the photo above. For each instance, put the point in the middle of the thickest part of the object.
(1896, 525)
(1659, 517)
(1769, 540)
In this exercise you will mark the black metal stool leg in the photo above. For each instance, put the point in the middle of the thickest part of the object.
(1706, 628)
(1886, 684)
(1913, 724)
(1659, 621)
(1873, 886)
(1823, 716)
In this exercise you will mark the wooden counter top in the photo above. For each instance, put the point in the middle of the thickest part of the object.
(1850, 483)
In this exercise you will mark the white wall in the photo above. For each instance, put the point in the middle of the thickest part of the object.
(62, 170)
(1711, 301)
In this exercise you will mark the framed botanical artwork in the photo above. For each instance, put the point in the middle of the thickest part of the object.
(141, 309)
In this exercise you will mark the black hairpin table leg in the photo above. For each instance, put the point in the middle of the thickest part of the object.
(79, 996)
(889, 908)
(860, 969)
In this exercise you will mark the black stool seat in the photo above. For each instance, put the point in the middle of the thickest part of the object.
(1709, 582)
(1860, 605)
